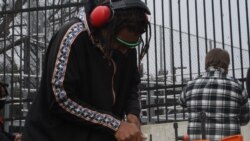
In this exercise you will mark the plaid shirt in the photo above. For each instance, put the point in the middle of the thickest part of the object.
(222, 98)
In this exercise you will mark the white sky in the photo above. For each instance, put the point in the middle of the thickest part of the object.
(162, 8)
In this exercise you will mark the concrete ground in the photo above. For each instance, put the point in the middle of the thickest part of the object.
(166, 132)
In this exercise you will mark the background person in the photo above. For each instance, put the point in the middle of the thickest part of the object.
(220, 97)
(5, 136)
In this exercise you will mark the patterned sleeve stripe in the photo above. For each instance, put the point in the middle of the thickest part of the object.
(82, 16)
(60, 94)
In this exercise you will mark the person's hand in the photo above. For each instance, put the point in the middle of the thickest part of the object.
(18, 137)
(134, 119)
(128, 132)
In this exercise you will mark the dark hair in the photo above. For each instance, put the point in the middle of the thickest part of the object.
(132, 18)
(217, 57)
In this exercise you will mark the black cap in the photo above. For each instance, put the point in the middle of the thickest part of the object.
(124, 4)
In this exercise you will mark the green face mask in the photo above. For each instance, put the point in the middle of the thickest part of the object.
(128, 44)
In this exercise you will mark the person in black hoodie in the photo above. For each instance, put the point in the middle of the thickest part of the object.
(5, 136)
(88, 89)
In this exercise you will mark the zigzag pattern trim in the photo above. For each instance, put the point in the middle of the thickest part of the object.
(61, 95)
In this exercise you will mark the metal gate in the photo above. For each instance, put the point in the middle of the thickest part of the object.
(183, 31)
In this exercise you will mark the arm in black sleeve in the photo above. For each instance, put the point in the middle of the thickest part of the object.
(244, 109)
(64, 79)
(133, 102)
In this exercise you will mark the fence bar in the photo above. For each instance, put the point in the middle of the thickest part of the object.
(164, 55)
(205, 23)
(231, 34)
(197, 37)
(214, 27)
(189, 42)
(222, 24)
(248, 34)
(240, 42)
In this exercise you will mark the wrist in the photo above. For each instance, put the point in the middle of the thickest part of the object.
(133, 119)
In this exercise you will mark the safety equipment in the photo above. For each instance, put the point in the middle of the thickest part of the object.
(103, 13)
(129, 44)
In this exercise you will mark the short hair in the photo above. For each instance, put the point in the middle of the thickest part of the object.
(217, 57)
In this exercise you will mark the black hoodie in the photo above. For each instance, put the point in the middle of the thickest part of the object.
(83, 95)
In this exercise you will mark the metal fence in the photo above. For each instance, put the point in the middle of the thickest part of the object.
(183, 31)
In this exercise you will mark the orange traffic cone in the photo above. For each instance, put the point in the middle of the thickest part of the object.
(233, 138)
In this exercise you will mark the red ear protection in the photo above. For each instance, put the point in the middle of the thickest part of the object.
(100, 16)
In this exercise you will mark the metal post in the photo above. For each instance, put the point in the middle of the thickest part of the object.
(176, 131)
(203, 124)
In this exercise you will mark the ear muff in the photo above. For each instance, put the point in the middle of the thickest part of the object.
(100, 16)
